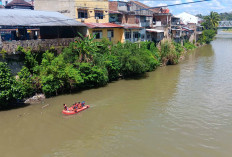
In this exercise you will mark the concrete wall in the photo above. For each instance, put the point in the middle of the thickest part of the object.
(36, 45)
(66, 7)
(193, 37)
(91, 6)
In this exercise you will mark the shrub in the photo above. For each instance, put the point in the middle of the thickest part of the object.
(93, 75)
(189, 46)
(6, 82)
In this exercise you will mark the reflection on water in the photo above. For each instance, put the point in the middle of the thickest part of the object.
(175, 111)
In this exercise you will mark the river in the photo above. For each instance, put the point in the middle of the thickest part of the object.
(176, 111)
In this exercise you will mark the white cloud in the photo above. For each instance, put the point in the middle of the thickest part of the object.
(194, 8)
(162, 4)
(177, 2)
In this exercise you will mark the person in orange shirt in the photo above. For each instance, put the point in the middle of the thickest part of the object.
(79, 105)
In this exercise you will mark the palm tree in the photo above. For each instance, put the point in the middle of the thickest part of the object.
(213, 19)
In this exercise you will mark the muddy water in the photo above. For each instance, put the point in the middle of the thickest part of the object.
(175, 111)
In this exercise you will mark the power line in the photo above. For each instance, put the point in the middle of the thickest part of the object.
(133, 11)
(171, 5)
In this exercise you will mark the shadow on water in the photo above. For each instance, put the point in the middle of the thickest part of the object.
(136, 77)
(14, 106)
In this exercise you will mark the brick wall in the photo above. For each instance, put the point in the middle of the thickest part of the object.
(113, 6)
(131, 19)
(36, 45)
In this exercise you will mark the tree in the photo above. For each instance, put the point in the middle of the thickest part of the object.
(211, 21)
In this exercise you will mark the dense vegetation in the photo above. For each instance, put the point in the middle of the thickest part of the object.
(225, 16)
(84, 64)
(87, 64)
(210, 27)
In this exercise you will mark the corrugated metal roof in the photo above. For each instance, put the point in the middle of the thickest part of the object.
(155, 30)
(103, 25)
(21, 17)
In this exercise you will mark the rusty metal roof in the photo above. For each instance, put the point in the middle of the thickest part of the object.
(103, 25)
(18, 3)
(26, 17)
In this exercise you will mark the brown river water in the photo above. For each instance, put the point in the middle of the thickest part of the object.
(176, 111)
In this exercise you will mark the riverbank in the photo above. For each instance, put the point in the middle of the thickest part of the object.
(227, 30)
(165, 61)
(87, 64)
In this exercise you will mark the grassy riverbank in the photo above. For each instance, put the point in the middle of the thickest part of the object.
(85, 64)
(227, 30)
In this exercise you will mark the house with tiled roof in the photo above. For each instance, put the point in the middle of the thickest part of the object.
(134, 17)
(19, 4)
(95, 13)
(137, 18)
(113, 32)
(37, 29)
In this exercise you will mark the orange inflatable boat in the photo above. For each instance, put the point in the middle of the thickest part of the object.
(71, 111)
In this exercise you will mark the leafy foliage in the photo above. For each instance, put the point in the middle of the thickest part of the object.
(189, 46)
(6, 82)
(84, 64)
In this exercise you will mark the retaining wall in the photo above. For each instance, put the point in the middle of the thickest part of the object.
(36, 45)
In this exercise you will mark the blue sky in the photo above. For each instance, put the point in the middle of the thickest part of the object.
(204, 8)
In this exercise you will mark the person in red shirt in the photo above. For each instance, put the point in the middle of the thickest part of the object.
(65, 107)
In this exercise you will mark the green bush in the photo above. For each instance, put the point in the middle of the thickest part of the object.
(93, 76)
(208, 35)
(189, 46)
(24, 84)
(113, 67)
(6, 82)
(135, 58)
(170, 53)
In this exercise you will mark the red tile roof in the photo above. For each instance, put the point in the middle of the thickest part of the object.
(103, 25)
(114, 12)
(132, 27)
(155, 10)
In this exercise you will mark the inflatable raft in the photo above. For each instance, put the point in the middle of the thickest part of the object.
(71, 111)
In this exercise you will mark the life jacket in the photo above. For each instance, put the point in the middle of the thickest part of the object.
(79, 105)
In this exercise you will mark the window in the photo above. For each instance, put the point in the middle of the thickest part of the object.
(82, 14)
(128, 35)
(136, 35)
(99, 14)
(97, 34)
(110, 33)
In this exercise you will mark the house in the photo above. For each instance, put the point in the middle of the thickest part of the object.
(36, 29)
(176, 29)
(19, 4)
(187, 18)
(162, 20)
(120, 13)
(192, 26)
(95, 13)
(136, 19)
(110, 31)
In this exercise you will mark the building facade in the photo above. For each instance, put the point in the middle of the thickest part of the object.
(135, 17)
(95, 13)
(26, 27)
